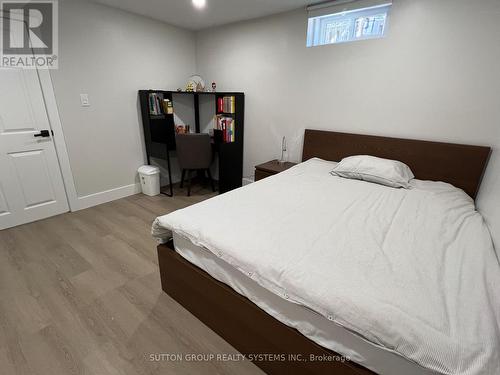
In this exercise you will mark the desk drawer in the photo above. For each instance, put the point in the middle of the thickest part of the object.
(259, 175)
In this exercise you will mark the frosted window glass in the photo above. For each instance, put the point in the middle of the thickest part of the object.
(359, 24)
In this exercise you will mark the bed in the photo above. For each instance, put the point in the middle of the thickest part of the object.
(260, 308)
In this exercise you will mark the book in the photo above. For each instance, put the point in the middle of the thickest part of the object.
(156, 104)
(168, 107)
(226, 104)
(227, 126)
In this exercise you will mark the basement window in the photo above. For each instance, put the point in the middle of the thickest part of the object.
(346, 24)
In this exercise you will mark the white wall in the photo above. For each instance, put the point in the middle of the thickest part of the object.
(435, 76)
(111, 54)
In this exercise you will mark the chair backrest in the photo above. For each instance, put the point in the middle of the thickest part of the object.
(194, 151)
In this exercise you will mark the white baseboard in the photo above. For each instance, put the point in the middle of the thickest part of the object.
(248, 181)
(107, 196)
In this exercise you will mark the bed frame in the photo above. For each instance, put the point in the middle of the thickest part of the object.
(461, 165)
(252, 331)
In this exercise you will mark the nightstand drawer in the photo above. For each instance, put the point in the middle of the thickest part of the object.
(259, 175)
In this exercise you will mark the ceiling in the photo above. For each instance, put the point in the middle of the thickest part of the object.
(217, 12)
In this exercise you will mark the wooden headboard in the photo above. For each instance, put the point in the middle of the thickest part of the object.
(460, 165)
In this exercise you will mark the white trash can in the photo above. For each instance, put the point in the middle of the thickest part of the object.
(150, 180)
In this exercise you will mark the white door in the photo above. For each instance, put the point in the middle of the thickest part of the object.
(31, 184)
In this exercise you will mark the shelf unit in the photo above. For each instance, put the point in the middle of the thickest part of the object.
(159, 135)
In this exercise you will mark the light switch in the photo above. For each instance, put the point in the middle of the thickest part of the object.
(84, 99)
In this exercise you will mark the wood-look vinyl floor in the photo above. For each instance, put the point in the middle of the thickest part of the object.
(80, 294)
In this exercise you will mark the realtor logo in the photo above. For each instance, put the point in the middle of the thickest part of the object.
(29, 34)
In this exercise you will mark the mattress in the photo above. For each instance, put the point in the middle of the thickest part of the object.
(307, 322)
(411, 270)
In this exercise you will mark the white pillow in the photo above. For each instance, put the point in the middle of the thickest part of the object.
(386, 172)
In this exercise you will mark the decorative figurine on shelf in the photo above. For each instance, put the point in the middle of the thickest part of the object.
(197, 83)
(190, 87)
(214, 87)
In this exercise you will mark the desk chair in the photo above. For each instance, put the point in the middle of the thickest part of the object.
(194, 153)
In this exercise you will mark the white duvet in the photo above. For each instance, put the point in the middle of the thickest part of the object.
(413, 271)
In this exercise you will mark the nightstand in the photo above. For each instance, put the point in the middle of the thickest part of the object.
(271, 168)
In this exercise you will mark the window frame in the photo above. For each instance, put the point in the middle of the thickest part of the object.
(317, 25)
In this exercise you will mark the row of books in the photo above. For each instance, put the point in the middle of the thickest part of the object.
(158, 105)
(155, 104)
(226, 104)
(228, 127)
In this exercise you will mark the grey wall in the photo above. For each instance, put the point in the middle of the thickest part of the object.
(110, 55)
(435, 76)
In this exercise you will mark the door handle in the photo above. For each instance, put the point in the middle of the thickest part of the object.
(44, 134)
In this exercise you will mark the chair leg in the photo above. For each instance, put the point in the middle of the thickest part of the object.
(189, 183)
(211, 180)
(182, 178)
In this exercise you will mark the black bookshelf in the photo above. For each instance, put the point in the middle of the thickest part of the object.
(159, 135)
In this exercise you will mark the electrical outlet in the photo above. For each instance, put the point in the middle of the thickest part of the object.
(84, 99)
